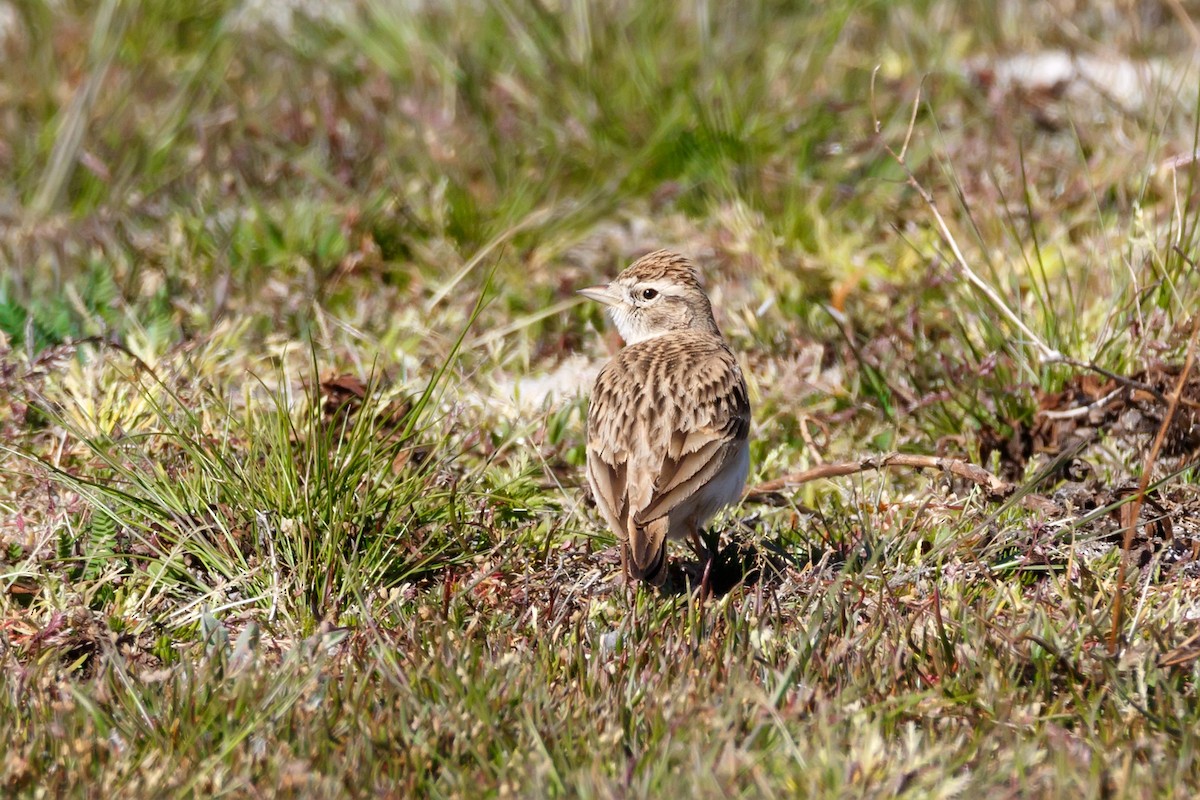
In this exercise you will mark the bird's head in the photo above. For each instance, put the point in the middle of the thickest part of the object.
(659, 293)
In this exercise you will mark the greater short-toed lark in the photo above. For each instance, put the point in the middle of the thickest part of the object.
(667, 427)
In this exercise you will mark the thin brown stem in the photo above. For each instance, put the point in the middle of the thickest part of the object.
(1114, 635)
(997, 488)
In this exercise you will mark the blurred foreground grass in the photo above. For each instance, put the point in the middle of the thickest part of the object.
(290, 486)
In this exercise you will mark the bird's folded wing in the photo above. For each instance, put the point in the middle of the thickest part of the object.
(645, 464)
(608, 488)
(682, 479)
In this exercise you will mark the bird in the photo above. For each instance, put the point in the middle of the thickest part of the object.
(669, 415)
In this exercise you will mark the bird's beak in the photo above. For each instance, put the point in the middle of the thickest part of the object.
(604, 293)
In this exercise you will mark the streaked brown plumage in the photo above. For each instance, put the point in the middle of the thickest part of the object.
(669, 416)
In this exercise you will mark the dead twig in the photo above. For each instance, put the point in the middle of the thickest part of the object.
(1122, 380)
(1081, 411)
(997, 488)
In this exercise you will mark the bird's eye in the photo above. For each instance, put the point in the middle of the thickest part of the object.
(649, 294)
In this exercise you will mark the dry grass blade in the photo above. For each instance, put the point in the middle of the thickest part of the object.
(1046, 353)
(531, 220)
(1114, 635)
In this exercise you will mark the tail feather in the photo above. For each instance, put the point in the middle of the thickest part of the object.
(648, 550)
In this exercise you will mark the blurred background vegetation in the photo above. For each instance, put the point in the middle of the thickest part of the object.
(290, 361)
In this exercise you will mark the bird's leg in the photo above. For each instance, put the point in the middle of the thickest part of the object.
(706, 579)
(703, 553)
(697, 545)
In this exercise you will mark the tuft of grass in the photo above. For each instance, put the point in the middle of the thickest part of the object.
(299, 507)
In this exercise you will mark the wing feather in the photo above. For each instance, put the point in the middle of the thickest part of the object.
(666, 416)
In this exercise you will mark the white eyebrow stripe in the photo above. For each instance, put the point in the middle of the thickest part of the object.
(663, 286)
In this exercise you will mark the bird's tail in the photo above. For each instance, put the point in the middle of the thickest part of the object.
(646, 550)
